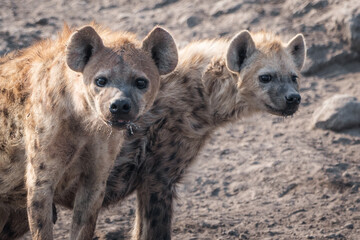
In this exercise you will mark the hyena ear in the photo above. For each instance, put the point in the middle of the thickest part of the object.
(81, 46)
(240, 49)
(162, 48)
(297, 48)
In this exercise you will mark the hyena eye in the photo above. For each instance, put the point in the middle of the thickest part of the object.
(294, 78)
(101, 81)
(265, 78)
(141, 83)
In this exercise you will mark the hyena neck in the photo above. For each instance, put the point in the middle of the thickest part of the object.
(198, 101)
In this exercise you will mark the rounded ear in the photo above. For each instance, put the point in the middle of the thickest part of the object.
(241, 47)
(297, 48)
(162, 48)
(81, 46)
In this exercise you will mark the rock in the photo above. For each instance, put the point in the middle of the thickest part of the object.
(193, 21)
(42, 22)
(215, 192)
(337, 113)
(234, 233)
(212, 224)
(350, 226)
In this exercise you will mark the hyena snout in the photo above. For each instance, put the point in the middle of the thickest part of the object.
(122, 111)
(120, 107)
(293, 99)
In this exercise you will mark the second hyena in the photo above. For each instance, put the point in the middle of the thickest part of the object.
(216, 82)
(64, 104)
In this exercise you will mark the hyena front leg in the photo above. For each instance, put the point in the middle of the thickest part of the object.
(154, 212)
(42, 175)
(89, 198)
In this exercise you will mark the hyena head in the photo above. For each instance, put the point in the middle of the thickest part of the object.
(268, 70)
(121, 77)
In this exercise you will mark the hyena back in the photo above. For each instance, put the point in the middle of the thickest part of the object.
(64, 104)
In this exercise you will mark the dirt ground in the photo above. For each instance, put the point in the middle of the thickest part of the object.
(261, 178)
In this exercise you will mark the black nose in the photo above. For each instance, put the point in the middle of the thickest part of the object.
(120, 107)
(293, 98)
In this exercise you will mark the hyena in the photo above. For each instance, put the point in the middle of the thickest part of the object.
(64, 106)
(216, 82)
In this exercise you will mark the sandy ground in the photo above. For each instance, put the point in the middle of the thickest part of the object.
(264, 177)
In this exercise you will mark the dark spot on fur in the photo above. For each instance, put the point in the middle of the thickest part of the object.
(23, 98)
(2, 147)
(156, 102)
(200, 92)
(185, 80)
(172, 157)
(6, 112)
(296, 48)
(38, 205)
(11, 96)
(63, 90)
(40, 224)
(42, 166)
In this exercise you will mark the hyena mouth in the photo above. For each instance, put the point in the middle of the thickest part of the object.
(281, 112)
(119, 123)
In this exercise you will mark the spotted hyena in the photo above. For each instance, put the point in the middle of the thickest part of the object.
(64, 104)
(216, 82)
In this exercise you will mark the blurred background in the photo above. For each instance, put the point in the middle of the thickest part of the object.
(264, 177)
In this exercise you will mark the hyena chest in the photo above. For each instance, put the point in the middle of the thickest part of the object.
(67, 187)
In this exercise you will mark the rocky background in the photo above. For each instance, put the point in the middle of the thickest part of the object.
(264, 177)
